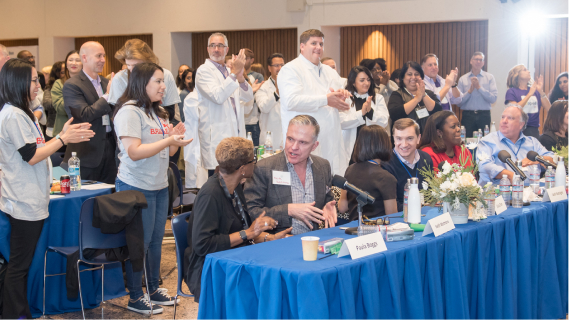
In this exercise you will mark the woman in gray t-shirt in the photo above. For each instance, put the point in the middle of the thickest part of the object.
(146, 141)
(25, 175)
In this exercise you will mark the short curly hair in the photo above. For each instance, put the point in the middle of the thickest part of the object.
(136, 49)
(232, 153)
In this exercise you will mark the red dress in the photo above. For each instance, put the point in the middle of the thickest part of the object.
(440, 157)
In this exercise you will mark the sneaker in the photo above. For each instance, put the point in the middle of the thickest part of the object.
(162, 298)
(141, 305)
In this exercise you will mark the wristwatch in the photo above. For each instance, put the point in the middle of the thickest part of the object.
(243, 235)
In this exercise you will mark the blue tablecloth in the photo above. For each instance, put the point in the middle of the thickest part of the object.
(509, 266)
(61, 228)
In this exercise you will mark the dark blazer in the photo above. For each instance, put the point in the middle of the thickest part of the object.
(263, 195)
(209, 227)
(83, 104)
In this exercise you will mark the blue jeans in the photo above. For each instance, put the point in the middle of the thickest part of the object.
(154, 222)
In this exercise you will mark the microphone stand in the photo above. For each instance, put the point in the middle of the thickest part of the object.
(362, 201)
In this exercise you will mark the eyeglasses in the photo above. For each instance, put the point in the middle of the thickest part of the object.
(254, 160)
(478, 60)
(379, 222)
(277, 65)
(36, 80)
(218, 46)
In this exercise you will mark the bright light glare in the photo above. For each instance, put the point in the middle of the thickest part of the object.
(533, 23)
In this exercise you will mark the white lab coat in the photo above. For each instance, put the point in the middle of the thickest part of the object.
(217, 118)
(352, 119)
(196, 174)
(303, 87)
(270, 119)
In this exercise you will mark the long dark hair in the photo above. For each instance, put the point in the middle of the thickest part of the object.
(15, 82)
(410, 64)
(136, 90)
(430, 138)
(350, 86)
(178, 79)
(555, 117)
(556, 92)
(55, 73)
(67, 76)
(182, 84)
(373, 143)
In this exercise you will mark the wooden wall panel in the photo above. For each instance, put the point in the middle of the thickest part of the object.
(551, 55)
(453, 42)
(262, 42)
(19, 42)
(112, 44)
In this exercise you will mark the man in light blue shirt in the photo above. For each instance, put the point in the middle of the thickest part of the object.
(511, 139)
(479, 93)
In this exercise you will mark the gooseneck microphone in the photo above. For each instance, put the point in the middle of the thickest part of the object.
(534, 156)
(505, 157)
(342, 183)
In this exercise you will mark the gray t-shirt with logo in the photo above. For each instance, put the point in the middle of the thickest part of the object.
(149, 173)
(25, 188)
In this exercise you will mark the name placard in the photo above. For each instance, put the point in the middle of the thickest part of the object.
(363, 246)
(500, 205)
(439, 225)
(555, 194)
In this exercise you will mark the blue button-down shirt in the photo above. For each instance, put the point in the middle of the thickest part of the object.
(479, 99)
(487, 154)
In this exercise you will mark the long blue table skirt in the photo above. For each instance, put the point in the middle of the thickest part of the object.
(61, 228)
(509, 266)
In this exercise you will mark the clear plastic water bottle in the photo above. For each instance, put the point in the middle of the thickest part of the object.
(486, 130)
(534, 173)
(479, 134)
(549, 178)
(475, 134)
(74, 172)
(406, 199)
(250, 136)
(269, 143)
(560, 177)
(517, 192)
(463, 133)
(490, 201)
(493, 128)
(505, 190)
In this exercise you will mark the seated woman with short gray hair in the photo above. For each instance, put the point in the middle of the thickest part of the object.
(220, 219)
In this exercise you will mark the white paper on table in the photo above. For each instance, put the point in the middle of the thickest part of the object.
(55, 196)
(97, 186)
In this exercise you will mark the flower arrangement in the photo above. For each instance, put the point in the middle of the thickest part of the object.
(455, 184)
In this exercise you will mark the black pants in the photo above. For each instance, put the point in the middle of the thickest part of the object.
(107, 170)
(255, 132)
(23, 241)
(474, 120)
(532, 132)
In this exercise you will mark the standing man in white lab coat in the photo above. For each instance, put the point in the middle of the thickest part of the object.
(309, 87)
(220, 90)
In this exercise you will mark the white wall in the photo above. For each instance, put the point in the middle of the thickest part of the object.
(70, 18)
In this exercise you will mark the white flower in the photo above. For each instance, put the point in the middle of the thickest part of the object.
(467, 179)
(434, 193)
(445, 185)
(425, 185)
(439, 174)
(453, 186)
(446, 168)
(443, 194)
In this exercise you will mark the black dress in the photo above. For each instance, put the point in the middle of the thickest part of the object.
(212, 220)
(552, 141)
(396, 107)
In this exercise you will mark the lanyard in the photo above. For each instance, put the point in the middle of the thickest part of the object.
(235, 201)
(41, 135)
(515, 153)
(159, 123)
(373, 161)
(405, 167)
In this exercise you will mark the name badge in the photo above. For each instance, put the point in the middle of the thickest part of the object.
(422, 113)
(555, 194)
(439, 225)
(106, 120)
(363, 246)
(281, 177)
(500, 205)
(164, 153)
